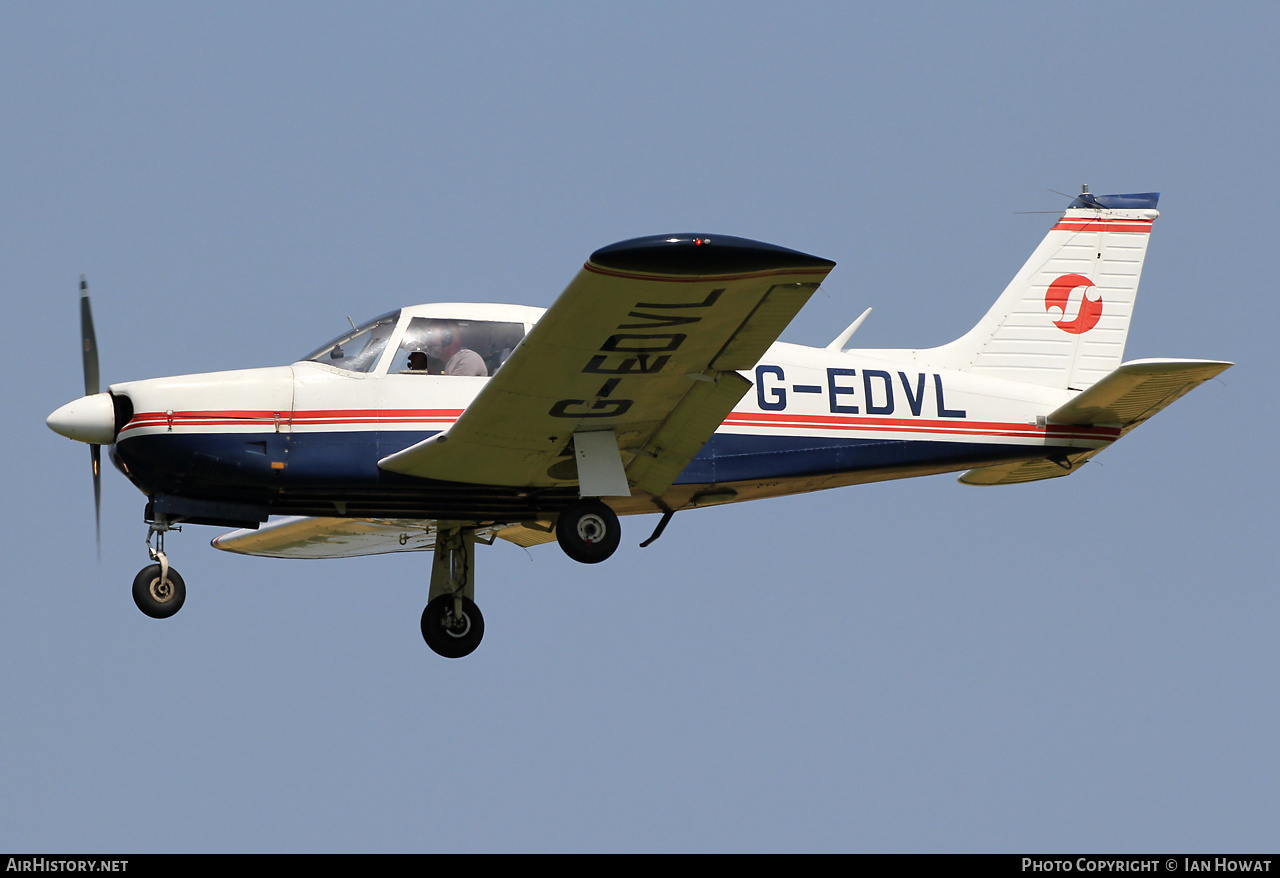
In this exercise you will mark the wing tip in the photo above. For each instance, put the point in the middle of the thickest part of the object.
(700, 255)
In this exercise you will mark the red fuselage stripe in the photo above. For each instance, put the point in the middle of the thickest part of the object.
(371, 417)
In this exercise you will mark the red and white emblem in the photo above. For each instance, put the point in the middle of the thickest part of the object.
(1059, 295)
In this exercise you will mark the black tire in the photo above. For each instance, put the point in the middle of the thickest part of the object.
(447, 635)
(588, 531)
(158, 600)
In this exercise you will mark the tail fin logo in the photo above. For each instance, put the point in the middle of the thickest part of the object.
(1059, 296)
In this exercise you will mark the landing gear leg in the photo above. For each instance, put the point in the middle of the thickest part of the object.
(158, 590)
(451, 624)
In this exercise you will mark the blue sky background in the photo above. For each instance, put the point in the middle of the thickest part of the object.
(1083, 664)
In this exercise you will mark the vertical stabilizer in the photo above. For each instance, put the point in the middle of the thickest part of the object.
(1064, 318)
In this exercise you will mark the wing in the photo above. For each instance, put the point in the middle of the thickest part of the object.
(1125, 399)
(304, 537)
(645, 344)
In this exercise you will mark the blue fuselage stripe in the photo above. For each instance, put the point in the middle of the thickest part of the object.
(263, 464)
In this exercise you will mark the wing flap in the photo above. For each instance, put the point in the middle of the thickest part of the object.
(681, 436)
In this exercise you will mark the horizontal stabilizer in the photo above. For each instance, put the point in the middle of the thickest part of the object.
(1025, 470)
(1127, 397)
(1136, 391)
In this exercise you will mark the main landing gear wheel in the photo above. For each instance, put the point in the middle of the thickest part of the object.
(158, 599)
(588, 531)
(450, 634)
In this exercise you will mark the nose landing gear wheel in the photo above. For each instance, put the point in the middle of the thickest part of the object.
(449, 634)
(588, 531)
(158, 599)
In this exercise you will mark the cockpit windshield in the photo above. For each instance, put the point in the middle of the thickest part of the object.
(358, 350)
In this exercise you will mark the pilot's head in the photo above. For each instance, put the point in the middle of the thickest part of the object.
(441, 342)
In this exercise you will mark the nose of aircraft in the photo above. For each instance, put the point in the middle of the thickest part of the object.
(89, 419)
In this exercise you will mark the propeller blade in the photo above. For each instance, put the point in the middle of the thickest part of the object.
(95, 455)
(89, 342)
(89, 350)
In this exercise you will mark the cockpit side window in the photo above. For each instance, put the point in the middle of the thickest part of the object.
(434, 346)
(359, 349)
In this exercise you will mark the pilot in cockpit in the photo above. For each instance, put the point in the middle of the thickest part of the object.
(442, 341)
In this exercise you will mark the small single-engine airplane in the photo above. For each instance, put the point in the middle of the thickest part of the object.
(654, 383)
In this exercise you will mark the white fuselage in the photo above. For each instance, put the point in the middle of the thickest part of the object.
(306, 438)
